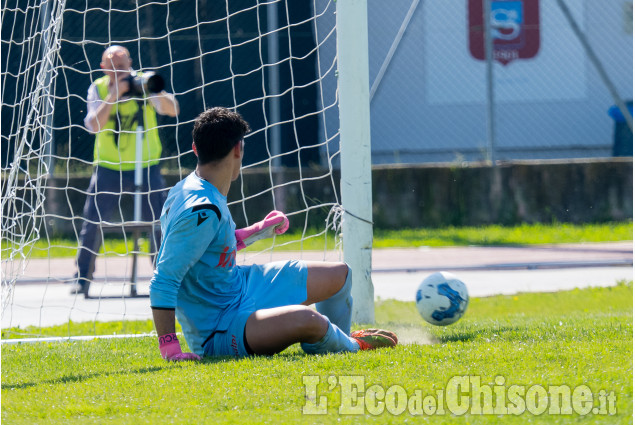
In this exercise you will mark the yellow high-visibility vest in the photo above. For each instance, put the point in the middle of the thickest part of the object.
(115, 142)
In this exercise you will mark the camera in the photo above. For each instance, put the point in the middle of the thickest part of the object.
(146, 83)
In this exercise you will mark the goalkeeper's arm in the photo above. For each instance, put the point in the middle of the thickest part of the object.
(168, 342)
(275, 222)
(182, 246)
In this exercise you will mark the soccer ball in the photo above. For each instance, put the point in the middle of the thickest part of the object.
(441, 299)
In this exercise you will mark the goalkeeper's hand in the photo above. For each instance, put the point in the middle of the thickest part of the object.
(171, 349)
(275, 221)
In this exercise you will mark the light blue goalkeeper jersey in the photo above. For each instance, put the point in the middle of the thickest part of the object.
(196, 272)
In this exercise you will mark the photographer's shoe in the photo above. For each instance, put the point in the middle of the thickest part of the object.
(80, 287)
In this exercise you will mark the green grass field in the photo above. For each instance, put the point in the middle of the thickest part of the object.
(532, 341)
(525, 234)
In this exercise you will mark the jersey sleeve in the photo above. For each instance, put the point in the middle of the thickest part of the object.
(183, 244)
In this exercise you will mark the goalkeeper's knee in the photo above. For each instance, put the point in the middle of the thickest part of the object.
(339, 307)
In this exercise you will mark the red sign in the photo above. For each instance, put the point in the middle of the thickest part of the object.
(515, 27)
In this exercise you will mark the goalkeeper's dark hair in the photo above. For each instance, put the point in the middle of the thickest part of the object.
(216, 132)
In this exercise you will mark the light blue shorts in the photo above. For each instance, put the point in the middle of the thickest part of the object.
(267, 286)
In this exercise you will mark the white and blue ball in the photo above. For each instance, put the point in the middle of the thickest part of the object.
(442, 299)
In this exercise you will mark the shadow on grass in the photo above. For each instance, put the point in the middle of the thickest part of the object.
(76, 378)
(469, 335)
(291, 356)
(80, 378)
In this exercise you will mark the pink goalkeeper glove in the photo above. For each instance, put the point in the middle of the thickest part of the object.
(171, 349)
(275, 221)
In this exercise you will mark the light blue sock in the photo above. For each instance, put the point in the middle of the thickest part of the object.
(335, 341)
(339, 307)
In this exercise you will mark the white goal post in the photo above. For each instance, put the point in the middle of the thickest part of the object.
(356, 182)
(297, 71)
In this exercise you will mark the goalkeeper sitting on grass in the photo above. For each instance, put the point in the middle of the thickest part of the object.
(225, 309)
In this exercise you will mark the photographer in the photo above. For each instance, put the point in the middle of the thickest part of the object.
(112, 115)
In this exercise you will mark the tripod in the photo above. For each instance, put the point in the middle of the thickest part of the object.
(138, 227)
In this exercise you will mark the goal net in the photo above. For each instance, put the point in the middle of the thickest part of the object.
(273, 61)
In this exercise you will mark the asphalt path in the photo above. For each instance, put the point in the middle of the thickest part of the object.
(41, 295)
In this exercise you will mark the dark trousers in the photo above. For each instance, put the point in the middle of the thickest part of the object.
(104, 199)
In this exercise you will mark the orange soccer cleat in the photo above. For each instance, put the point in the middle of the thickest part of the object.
(370, 339)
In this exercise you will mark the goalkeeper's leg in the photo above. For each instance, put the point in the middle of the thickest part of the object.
(278, 321)
(329, 287)
(270, 331)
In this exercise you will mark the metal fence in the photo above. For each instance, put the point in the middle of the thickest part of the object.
(428, 75)
(429, 80)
